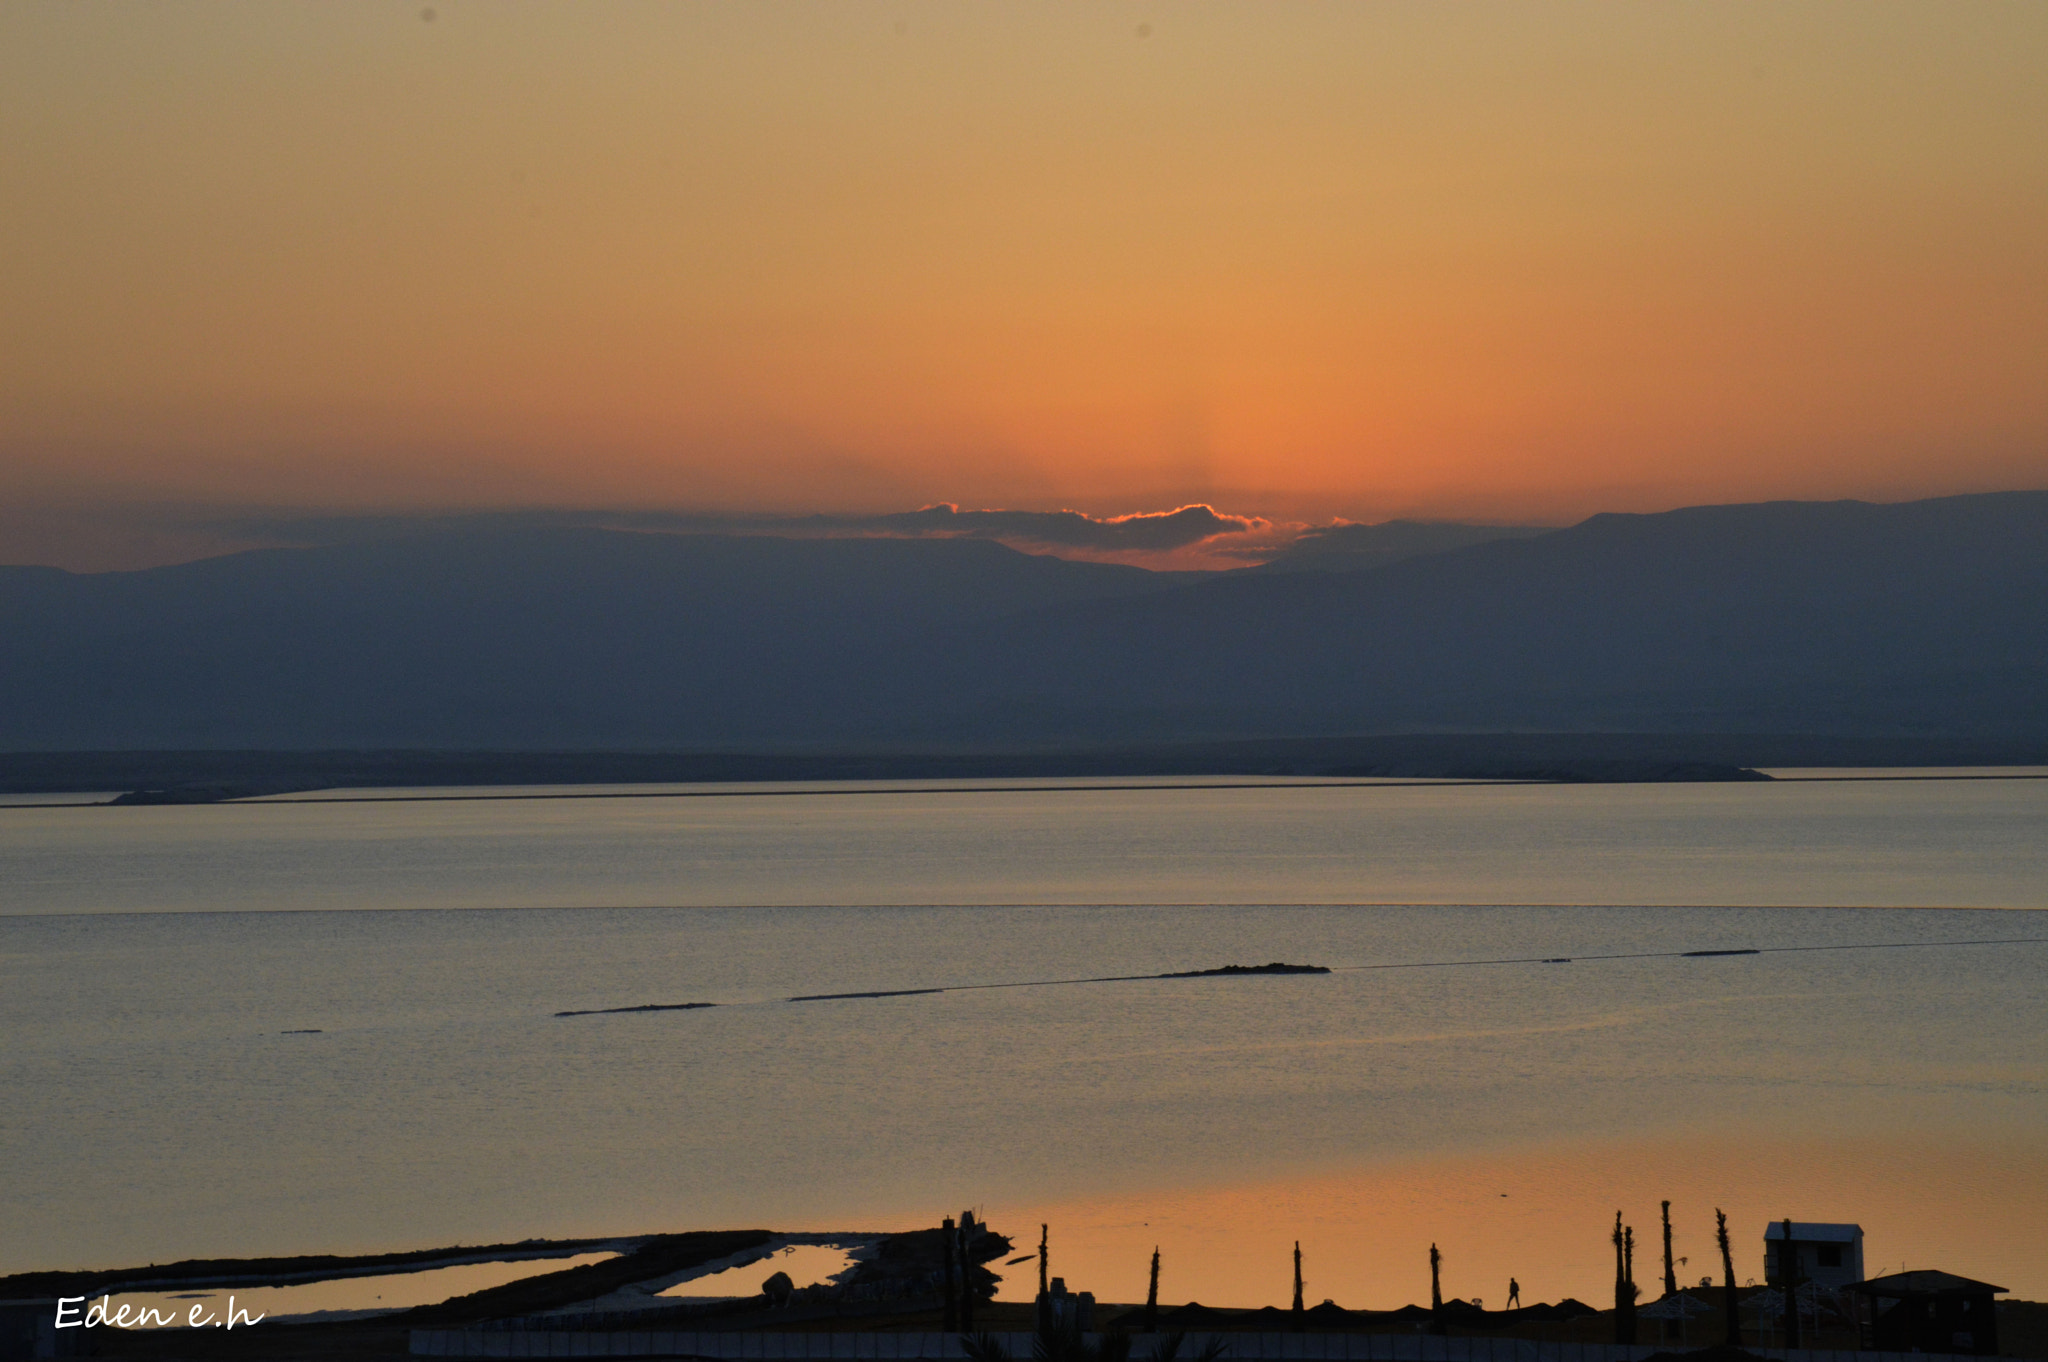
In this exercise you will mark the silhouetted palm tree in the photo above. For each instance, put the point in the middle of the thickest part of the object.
(983, 1347)
(1670, 1275)
(1061, 1341)
(1167, 1349)
(1728, 1301)
(1624, 1282)
(1066, 1343)
(1152, 1296)
(1631, 1291)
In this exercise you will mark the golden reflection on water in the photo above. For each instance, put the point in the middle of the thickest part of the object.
(387, 1291)
(1543, 1217)
(406, 1076)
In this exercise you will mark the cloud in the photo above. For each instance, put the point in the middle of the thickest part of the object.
(1195, 537)
(1139, 533)
(1144, 531)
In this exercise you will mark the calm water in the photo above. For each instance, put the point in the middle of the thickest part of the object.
(339, 1297)
(157, 1107)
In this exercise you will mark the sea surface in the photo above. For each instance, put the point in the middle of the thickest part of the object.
(298, 1026)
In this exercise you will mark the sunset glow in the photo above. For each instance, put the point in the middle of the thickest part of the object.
(648, 646)
(1488, 262)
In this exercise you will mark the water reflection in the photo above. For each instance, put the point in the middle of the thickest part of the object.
(207, 1083)
(806, 1264)
(1542, 1217)
(350, 1295)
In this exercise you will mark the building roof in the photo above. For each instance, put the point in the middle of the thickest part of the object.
(1813, 1232)
(1925, 1282)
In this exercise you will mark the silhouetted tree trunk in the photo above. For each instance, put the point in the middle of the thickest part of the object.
(1624, 1289)
(1436, 1283)
(948, 1241)
(1152, 1296)
(1297, 1285)
(1044, 1278)
(1670, 1275)
(1728, 1301)
(1629, 1290)
(1788, 1282)
(1616, 1238)
(967, 1284)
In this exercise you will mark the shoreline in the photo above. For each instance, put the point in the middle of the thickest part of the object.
(200, 775)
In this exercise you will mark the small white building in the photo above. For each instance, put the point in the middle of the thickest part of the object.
(1826, 1255)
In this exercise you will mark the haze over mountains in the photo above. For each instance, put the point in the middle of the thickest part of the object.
(1348, 548)
(1922, 618)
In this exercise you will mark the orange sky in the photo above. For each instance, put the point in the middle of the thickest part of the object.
(1454, 261)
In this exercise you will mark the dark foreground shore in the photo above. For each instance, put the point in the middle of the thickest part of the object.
(895, 1289)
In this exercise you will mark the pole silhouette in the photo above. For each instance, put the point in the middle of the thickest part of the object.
(1436, 1285)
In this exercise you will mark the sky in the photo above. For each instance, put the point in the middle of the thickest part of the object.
(1302, 263)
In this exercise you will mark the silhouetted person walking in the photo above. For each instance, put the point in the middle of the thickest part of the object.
(1514, 1294)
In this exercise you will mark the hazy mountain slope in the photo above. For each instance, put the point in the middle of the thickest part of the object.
(1786, 617)
(1354, 548)
(541, 637)
(1930, 614)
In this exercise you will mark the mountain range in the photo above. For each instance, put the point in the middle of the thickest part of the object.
(1926, 617)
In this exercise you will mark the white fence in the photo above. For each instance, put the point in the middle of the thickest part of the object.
(912, 1347)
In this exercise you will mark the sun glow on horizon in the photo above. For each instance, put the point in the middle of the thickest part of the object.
(1490, 264)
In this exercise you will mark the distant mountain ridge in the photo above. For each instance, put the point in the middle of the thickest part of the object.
(1786, 616)
(1353, 548)
(1836, 617)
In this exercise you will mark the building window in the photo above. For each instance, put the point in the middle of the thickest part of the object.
(1831, 1255)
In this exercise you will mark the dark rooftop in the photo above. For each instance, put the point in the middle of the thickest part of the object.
(1809, 1232)
(1925, 1282)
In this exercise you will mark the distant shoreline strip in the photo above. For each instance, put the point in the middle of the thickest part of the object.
(1822, 780)
(1277, 969)
(957, 905)
(1181, 783)
(1331, 783)
(1325, 783)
